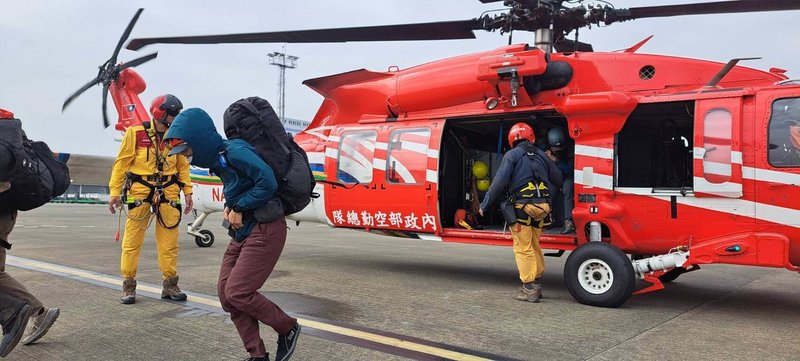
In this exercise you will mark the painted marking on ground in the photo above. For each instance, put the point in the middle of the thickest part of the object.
(378, 340)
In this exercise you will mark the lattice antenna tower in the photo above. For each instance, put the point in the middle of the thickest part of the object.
(282, 61)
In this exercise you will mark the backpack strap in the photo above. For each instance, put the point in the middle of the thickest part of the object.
(17, 155)
(533, 156)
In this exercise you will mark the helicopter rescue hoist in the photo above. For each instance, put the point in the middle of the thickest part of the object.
(678, 162)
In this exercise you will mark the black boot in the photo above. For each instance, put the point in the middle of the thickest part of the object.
(287, 343)
(569, 227)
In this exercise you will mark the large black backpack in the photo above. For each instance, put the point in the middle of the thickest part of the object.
(36, 178)
(547, 177)
(253, 120)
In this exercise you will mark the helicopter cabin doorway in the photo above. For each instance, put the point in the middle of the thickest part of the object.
(470, 155)
(654, 150)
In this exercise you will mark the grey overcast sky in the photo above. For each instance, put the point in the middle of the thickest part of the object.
(49, 48)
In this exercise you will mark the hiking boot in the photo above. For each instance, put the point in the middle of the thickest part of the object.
(262, 358)
(13, 329)
(128, 291)
(287, 343)
(532, 295)
(41, 324)
(569, 227)
(171, 290)
(538, 284)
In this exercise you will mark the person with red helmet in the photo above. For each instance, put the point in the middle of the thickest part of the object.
(148, 181)
(530, 178)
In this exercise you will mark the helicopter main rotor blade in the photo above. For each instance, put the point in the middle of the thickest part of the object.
(80, 91)
(105, 101)
(461, 29)
(125, 36)
(721, 7)
(138, 61)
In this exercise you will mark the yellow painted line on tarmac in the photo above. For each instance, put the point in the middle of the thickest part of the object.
(363, 335)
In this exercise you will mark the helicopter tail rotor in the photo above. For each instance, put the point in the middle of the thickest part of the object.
(109, 71)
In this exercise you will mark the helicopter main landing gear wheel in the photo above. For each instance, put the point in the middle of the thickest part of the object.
(599, 274)
(206, 240)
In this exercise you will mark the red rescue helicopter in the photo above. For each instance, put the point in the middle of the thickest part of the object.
(677, 162)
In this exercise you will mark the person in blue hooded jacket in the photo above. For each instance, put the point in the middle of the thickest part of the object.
(249, 186)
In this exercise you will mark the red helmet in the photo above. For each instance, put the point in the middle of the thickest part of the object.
(520, 131)
(164, 105)
(5, 114)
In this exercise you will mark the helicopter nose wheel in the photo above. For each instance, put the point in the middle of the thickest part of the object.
(206, 240)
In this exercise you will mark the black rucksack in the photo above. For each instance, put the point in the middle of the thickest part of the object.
(37, 177)
(253, 120)
(547, 177)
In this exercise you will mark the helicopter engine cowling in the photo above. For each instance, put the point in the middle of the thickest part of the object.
(557, 75)
(466, 79)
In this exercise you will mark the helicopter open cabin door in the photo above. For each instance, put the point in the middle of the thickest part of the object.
(717, 148)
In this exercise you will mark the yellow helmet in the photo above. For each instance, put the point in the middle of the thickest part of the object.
(480, 170)
(483, 185)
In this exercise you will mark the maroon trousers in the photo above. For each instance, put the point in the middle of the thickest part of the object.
(245, 267)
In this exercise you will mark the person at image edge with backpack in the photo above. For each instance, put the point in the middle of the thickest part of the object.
(255, 214)
(531, 179)
(29, 177)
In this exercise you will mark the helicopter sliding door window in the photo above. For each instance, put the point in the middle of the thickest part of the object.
(407, 161)
(653, 149)
(717, 152)
(784, 133)
(356, 153)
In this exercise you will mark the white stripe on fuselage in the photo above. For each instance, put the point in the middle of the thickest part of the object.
(751, 173)
(595, 152)
(741, 207)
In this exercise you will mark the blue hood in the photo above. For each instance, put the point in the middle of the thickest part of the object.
(195, 127)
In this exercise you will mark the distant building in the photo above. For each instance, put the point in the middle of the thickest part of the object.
(89, 176)
(295, 126)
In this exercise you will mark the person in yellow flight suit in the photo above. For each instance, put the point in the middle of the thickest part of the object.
(149, 182)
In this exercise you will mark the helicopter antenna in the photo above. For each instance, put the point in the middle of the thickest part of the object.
(727, 68)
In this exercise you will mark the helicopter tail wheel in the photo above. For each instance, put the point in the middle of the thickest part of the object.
(599, 274)
(205, 240)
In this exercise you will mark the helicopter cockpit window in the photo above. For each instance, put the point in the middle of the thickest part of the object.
(356, 152)
(407, 162)
(784, 133)
(717, 134)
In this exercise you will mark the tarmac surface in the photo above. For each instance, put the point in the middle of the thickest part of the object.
(367, 297)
